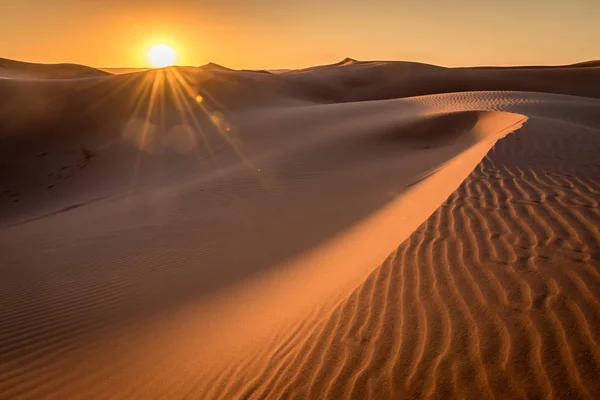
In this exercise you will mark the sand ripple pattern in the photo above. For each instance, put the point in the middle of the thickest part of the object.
(496, 295)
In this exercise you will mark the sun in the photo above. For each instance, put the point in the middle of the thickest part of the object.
(161, 55)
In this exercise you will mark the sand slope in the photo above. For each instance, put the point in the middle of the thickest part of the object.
(310, 234)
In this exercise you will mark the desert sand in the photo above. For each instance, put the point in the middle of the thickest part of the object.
(355, 230)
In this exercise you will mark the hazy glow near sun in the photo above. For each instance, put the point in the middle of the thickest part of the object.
(161, 55)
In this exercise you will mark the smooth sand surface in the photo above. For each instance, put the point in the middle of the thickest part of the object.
(357, 230)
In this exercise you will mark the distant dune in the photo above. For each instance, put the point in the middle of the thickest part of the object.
(355, 230)
(118, 71)
(584, 64)
(18, 69)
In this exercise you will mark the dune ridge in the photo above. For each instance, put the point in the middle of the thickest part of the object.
(310, 234)
(452, 313)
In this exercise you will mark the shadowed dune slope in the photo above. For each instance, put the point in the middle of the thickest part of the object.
(209, 233)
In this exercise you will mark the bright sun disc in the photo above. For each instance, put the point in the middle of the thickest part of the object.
(161, 55)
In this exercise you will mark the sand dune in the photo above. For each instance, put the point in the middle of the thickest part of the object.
(119, 71)
(19, 69)
(360, 230)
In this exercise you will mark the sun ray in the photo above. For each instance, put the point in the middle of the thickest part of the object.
(225, 131)
(183, 109)
(145, 124)
(187, 99)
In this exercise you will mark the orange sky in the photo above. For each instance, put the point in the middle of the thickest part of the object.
(297, 33)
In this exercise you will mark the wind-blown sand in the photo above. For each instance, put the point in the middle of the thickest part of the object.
(359, 230)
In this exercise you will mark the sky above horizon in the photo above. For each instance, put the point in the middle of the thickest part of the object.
(299, 33)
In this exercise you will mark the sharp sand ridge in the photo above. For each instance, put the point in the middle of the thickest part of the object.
(359, 230)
